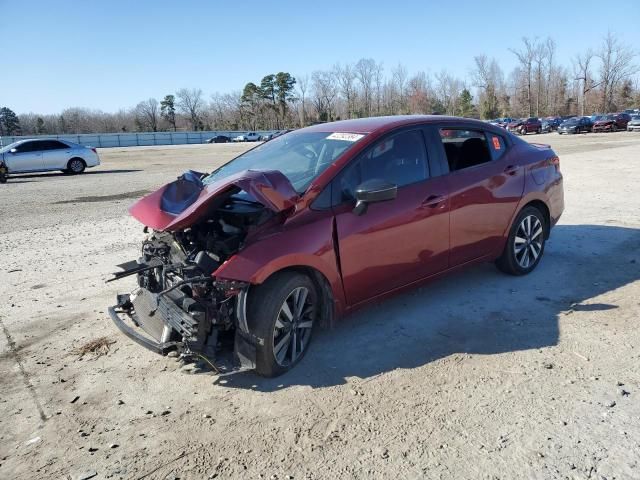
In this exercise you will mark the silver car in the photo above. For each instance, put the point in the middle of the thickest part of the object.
(27, 156)
(634, 123)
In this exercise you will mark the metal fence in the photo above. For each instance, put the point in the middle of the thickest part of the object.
(104, 140)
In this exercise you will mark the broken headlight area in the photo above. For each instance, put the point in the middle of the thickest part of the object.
(178, 303)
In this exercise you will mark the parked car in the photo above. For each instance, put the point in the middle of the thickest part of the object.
(551, 124)
(247, 137)
(316, 223)
(575, 125)
(268, 136)
(611, 122)
(44, 155)
(525, 125)
(634, 123)
(219, 139)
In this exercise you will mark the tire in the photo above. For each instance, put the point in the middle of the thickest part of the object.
(76, 166)
(614, 128)
(277, 330)
(530, 229)
(3, 178)
(523, 131)
(539, 131)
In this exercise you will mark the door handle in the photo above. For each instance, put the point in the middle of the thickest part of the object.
(511, 170)
(433, 201)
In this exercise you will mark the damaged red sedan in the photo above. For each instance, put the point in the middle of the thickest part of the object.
(246, 262)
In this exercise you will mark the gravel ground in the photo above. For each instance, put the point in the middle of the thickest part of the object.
(479, 375)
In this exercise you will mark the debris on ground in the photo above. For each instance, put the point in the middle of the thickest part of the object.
(98, 347)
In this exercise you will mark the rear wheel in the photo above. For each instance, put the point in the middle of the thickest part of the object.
(76, 166)
(525, 244)
(282, 313)
(523, 131)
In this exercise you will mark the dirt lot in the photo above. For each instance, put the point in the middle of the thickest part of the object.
(479, 375)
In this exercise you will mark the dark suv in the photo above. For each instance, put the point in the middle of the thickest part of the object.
(525, 125)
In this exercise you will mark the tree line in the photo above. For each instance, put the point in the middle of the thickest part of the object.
(600, 79)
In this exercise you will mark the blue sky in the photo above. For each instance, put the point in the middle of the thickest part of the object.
(111, 54)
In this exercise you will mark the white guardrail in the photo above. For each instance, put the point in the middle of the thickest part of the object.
(102, 140)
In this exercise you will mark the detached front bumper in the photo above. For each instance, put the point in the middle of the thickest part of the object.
(136, 318)
(160, 325)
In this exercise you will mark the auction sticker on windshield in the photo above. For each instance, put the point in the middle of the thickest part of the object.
(349, 137)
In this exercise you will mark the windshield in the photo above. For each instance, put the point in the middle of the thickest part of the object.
(635, 117)
(300, 156)
(9, 147)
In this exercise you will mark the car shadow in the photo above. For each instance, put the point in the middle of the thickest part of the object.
(479, 311)
(19, 176)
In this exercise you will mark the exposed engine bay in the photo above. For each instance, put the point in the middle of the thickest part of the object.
(179, 304)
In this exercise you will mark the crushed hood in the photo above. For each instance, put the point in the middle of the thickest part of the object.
(185, 201)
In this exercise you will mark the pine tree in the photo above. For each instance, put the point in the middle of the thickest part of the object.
(9, 122)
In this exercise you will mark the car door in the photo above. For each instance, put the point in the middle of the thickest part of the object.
(26, 158)
(395, 242)
(485, 183)
(55, 155)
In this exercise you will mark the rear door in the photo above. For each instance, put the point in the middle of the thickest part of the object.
(485, 183)
(27, 158)
(55, 154)
(395, 242)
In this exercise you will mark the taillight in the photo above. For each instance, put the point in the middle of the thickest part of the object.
(555, 161)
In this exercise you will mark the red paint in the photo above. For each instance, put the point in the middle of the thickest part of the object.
(271, 188)
(431, 228)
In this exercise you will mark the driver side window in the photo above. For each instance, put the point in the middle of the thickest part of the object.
(400, 159)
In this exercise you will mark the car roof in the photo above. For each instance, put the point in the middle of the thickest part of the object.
(380, 124)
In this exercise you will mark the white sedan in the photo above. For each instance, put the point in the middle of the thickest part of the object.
(26, 156)
(247, 137)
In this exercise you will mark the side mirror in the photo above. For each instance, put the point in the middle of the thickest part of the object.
(373, 191)
(13, 150)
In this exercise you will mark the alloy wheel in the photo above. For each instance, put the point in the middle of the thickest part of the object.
(76, 166)
(528, 241)
(292, 330)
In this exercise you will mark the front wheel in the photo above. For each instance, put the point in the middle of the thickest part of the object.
(282, 312)
(525, 244)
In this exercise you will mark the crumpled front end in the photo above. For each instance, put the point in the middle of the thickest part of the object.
(179, 304)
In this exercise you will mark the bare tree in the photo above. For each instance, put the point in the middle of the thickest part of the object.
(346, 76)
(147, 114)
(365, 72)
(324, 91)
(400, 87)
(303, 86)
(582, 71)
(190, 103)
(617, 65)
(526, 57)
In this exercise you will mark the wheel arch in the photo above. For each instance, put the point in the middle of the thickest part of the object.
(76, 157)
(323, 288)
(544, 209)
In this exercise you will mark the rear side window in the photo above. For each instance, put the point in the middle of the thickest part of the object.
(52, 145)
(400, 159)
(466, 148)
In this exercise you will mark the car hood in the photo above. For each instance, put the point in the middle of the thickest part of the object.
(634, 122)
(604, 122)
(515, 124)
(185, 201)
(568, 125)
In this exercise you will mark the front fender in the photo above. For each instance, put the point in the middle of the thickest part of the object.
(308, 244)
